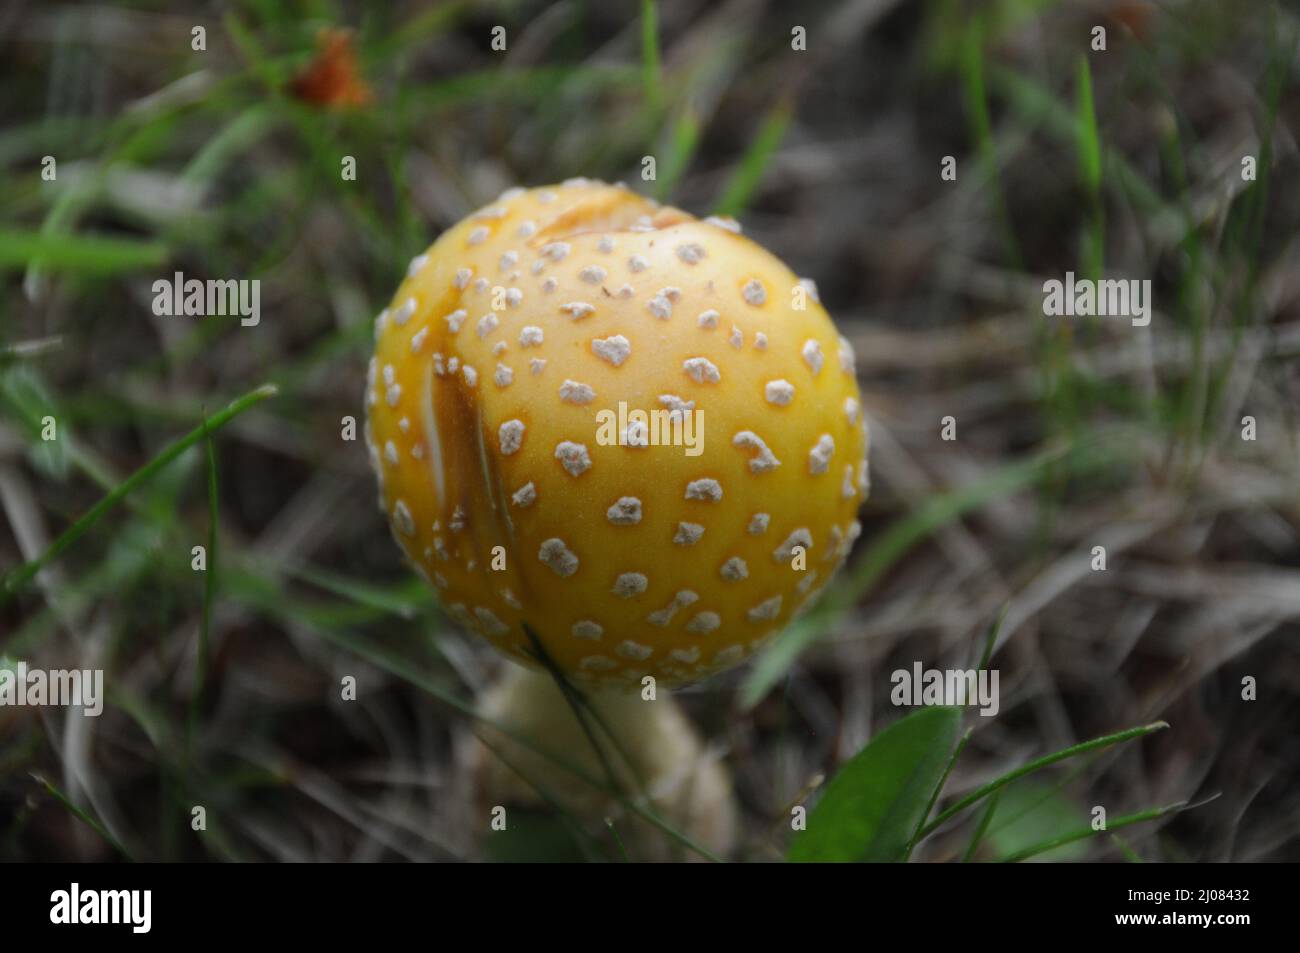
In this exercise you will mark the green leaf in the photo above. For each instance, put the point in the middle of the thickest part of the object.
(877, 800)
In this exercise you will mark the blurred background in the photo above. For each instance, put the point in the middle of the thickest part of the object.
(224, 162)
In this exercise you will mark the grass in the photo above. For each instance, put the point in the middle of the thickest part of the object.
(652, 71)
(87, 254)
(209, 590)
(14, 582)
(1036, 765)
(896, 541)
(749, 172)
(1115, 824)
(81, 815)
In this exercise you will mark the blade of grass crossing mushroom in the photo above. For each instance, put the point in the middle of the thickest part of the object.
(1085, 832)
(571, 694)
(620, 749)
(984, 791)
(16, 580)
(582, 709)
(571, 824)
(749, 173)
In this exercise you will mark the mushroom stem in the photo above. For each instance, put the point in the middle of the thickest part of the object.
(657, 752)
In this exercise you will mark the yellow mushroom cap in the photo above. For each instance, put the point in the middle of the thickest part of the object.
(503, 402)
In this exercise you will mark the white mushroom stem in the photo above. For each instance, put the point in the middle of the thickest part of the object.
(687, 784)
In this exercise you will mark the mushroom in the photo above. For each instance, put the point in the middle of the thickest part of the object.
(615, 435)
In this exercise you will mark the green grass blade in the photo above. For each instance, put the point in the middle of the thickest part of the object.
(574, 700)
(618, 841)
(82, 816)
(1085, 832)
(209, 593)
(571, 823)
(89, 254)
(982, 828)
(1105, 741)
(745, 180)
(406, 601)
(938, 790)
(651, 71)
(1132, 856)
(1089, 139)
(686, 137)
(980, 129)
(15, 581)
(991, 637)
(1089, 144)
